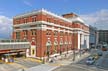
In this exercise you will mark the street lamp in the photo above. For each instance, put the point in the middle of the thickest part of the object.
(60, 47)
(69, 45)
(66, 46)
(74, 54)
(44, 57)
(74, 46)
(80, 44)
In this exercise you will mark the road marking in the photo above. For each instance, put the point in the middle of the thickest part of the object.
(77, 66)
(86, 68)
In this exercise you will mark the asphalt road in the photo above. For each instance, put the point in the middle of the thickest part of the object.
(26, 63)
(102, 63)
(78, 67)
(81, 65)
(20, 63)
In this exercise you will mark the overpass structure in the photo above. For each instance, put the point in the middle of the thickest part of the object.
(13, 46)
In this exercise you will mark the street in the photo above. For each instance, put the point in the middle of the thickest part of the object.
(20, 63)
(103, 61)
(78, 67)
(100, 65)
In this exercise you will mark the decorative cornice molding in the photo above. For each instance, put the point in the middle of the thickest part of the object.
(51, 24)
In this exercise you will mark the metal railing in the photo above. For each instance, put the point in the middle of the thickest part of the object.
(14, 44)
(10, 40)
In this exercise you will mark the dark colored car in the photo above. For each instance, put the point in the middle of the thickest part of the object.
(100, 53)
(90, 61)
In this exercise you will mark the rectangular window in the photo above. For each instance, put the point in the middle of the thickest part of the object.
(61, 23)
(55, 22)
(25, 20)
(25, 33)
(48, 19)
(33, 32)
(48, 32)
(17, 22)
(61, 33)
(17, 35)
(55, 33)
(34, 18)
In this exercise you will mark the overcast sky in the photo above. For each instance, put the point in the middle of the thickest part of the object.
(94, 12)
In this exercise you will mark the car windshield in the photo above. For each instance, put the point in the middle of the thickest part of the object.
(89, 59)
(99, 52)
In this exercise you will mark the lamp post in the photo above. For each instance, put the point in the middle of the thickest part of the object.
(60, 48)
(80, 44)
(48, 51)
(69, 45)
(44, 58)
(74, 47)
(74, 54)
(66, 45)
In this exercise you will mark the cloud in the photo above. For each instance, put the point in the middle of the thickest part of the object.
(27, 3)
(98, 19)
(5, 27)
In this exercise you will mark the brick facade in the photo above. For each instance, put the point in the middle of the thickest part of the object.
(48, 29)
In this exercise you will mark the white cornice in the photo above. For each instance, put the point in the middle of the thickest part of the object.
(78, 19)
(51, 24)
(42, 11)
(57, 16)
(45, 28)
(27, 14)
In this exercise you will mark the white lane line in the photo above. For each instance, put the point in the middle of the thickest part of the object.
(88, 68)
(77, 66)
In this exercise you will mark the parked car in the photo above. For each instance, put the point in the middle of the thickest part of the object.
(96, 56)
(104, 47)
(100, 53)
(90, 61)
(92, 46)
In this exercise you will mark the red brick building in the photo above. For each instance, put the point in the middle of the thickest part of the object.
(49, 33)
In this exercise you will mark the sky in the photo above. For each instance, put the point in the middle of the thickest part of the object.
(94, 12)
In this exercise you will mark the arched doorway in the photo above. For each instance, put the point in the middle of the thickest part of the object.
(33, 49)
(48, 45)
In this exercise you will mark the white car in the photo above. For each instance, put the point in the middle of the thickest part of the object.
(90, 61)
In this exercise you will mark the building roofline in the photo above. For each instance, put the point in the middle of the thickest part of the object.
(41, 11)
(77, 18)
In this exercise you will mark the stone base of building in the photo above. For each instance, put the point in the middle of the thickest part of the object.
(56, 56)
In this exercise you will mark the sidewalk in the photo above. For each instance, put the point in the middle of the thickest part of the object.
(58, 63)
(42, 67)
(69, 61)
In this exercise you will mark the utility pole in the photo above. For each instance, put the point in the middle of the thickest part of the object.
(96, 35)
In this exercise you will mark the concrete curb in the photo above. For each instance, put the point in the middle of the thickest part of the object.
(63, 64)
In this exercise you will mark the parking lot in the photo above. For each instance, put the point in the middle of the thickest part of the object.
(19, 63)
